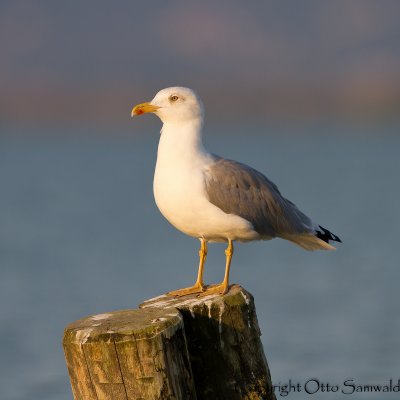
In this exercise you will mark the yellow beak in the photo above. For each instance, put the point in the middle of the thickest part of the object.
(143, 108)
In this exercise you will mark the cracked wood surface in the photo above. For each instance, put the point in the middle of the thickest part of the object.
(132, 354)
(204, 348)
(224, 345)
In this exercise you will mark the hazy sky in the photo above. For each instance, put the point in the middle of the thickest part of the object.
(67, 54)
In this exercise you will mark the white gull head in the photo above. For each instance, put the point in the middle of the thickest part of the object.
(173, 105)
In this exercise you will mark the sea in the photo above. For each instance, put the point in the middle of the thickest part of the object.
(80, 234)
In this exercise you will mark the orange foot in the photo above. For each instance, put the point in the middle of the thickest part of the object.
(197, 288)
(221, 288)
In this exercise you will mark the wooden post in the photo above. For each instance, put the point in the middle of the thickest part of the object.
(132, 354)
(224, 345)
(192, 347)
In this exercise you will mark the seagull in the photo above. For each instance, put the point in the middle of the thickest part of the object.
(213, 198)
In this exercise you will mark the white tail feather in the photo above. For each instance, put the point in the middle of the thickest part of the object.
(309, 242)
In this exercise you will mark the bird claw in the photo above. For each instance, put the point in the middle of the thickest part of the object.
(187, 291)
(214, 289)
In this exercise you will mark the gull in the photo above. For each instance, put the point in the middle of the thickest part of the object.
(216, 199)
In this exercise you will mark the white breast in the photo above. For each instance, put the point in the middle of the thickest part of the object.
(179, 191)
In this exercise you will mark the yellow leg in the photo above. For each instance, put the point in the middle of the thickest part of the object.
(223, 287)
(198, 287)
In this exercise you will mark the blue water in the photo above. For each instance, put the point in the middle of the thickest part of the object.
(80, 234)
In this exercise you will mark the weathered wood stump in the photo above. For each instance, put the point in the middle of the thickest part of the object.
(192, 347)
(132, 354)
(224, 345)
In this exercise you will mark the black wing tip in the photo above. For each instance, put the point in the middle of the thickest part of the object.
(326, 235)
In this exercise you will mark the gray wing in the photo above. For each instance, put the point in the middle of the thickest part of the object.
(241, 190)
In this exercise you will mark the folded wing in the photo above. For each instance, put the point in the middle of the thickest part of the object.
(241, 190)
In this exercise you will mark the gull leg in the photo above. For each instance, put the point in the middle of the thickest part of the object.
(223, 287)
(198, 287)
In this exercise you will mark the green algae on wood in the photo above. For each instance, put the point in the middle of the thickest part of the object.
(131, 354)
(204, 348)
(224, 345)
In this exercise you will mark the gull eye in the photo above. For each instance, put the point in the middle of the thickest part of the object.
(174, 98)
